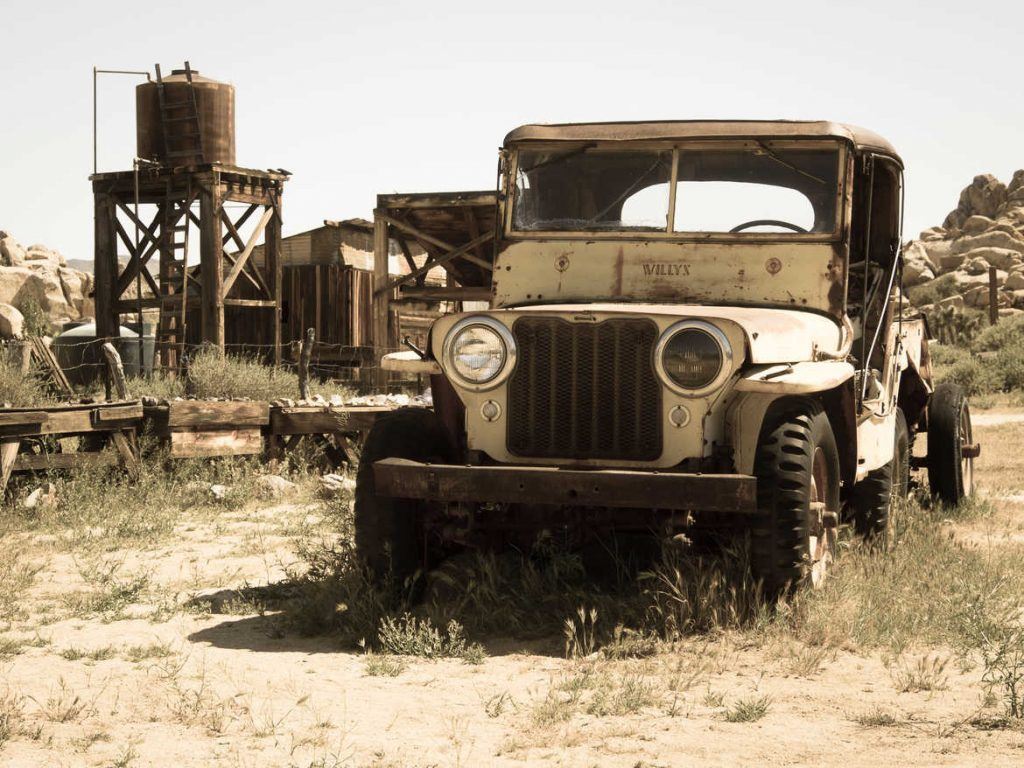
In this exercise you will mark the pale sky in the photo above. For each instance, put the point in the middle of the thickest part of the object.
(358, 99)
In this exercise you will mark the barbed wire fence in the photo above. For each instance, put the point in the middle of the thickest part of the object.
(355, 366)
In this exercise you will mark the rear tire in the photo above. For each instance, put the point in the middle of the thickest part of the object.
(950, 475)
(872, 497)
(797, 467)
(389, 531)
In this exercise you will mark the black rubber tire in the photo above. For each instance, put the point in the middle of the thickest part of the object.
(388, 531)
(946, 472)
(871, 500)
(780, 537)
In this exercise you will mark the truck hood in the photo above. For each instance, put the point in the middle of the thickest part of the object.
(773, 335)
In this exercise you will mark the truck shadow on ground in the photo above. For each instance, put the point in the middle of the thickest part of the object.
(267, 631)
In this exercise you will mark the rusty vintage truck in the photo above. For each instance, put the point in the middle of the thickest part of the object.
(692, 324)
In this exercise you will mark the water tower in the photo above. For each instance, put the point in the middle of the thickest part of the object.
(185, 183)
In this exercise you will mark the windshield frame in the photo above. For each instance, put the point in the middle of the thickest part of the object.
(841, 194)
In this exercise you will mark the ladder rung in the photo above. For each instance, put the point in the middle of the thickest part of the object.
(181, 119)
(176, 104)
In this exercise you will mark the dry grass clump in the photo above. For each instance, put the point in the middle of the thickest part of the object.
(17, 389)
(16, 576)
(212, 374)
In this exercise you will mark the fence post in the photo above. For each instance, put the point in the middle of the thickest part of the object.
(304, 355)
(116, 370)
(993, 297)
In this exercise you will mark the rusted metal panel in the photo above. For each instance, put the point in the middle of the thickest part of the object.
(547, 485)
(861, 138)
(796, 275)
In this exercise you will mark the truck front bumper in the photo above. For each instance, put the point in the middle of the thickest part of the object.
(406, 479)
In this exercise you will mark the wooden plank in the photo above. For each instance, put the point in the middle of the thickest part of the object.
(127, 448)
(21, 418)
(8, 454)
(74, 460)
(243, 257)
(221, 442)
(443, 293)
(308, 421)
(251, 303)
(362, 418)
(46, 358)
(211, 413)
(117, 414)
(438, 199)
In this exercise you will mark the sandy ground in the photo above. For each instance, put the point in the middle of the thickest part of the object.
(165, 686)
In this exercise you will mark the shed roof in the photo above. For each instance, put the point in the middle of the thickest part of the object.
(861, 138)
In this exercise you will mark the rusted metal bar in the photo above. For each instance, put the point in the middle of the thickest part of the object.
(548, 485)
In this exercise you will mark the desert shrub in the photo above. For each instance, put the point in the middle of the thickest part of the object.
(932, 291)
(1007, 334)
(975, 376)
(22, 390)
(212, 374)
(37, 323)
(160, 386)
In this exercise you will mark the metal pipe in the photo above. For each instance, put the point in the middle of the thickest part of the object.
(95, 72)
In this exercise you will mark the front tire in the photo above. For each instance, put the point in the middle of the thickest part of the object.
(797, 467)
(389, 532)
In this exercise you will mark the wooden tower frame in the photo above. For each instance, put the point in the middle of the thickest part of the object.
(224, 256)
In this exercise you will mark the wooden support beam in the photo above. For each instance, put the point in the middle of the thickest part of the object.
(251, 303)
(444, 293)
(105, 266)
(419, 235)
(243, 257)
(381, 296)
(441, 260)
(407, 254)
(8, 455)
(272, 261)
(211, 258)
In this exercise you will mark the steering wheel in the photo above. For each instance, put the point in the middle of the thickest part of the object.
(767, 223)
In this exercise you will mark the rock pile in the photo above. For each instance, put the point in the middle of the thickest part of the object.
(986, 229)
(39, 275)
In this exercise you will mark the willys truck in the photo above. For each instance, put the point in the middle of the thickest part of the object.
(691, 325)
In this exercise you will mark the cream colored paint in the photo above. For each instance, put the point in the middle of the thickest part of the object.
(707, 414)
(800, 378)
(796, 275)
(772, 335)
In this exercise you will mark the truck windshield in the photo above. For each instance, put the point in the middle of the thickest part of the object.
(756, 188)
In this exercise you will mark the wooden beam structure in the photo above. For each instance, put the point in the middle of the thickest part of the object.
(198, 277)
(457, 230)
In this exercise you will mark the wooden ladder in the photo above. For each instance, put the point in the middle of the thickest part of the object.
(175, 277)
(180, 147)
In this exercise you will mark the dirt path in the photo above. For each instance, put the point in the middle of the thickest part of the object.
(146, 683)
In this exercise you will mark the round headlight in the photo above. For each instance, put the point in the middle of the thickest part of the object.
(478, 351)
(694, 357)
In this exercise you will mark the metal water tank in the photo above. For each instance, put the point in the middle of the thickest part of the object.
(215, 104)
(81, 356)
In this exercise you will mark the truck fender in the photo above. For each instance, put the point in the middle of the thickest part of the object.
(746, 413)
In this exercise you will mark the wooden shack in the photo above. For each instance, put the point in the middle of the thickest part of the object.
(327, 285)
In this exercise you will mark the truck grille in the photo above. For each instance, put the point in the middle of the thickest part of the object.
(584, 390)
